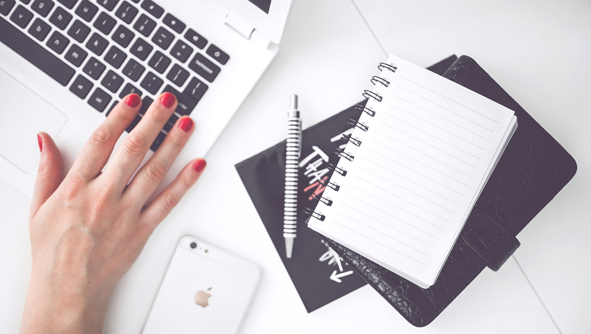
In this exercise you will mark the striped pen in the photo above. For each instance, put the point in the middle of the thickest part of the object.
(293, 149)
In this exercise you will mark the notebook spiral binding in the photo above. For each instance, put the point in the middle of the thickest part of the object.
(343, 154)
(352, 140)
(367, 94)
(365, 109)
(314, 214)
(326, 201)
(379, 80)
(336, 169)
(331, 185)
(357, 124)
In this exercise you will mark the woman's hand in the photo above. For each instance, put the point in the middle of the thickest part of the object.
(87, 230)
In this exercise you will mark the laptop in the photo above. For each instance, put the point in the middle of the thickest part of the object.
(64, 64)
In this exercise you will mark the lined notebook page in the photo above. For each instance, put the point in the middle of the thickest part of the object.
(418, 172)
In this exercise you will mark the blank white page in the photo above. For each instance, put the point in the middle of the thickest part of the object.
(424, 160)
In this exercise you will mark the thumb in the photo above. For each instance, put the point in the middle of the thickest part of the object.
(49, 175)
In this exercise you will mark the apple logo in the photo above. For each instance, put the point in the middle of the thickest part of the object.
(202, 297)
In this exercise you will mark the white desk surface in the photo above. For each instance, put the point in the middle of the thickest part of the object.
(539, 51)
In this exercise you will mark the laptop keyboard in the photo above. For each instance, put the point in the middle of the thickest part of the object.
(106, 49)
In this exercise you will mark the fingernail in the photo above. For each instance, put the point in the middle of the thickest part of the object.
(200, 165)
(186, 124)
(133, 100)
(40, 140)
(168, 100)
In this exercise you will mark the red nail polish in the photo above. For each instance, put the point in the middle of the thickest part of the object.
(168, 100)
(133, 100)
(186, 124)
(40, 140)
(200, 165)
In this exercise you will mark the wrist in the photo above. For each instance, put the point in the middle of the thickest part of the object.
(64, 308)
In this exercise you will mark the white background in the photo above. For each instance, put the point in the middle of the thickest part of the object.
(539, 51)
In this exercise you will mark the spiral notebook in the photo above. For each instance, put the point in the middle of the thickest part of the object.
(412, 171)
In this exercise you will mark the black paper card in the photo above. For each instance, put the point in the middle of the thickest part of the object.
(318, 274)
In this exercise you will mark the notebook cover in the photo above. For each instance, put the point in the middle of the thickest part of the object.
(318, 273)
(531, 171)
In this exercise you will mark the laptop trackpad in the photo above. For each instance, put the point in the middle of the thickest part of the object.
(23, 114)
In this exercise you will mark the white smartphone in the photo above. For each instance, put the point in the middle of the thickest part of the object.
(205, 290)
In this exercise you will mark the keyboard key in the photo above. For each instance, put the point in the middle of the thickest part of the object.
(6, 6)
(115, 57)
(104, 23)
(151, 83)
(158, 141)
(99, 99)
(58, 42)
(170, 123)
(152, 8)
(144, 25)
(115, 103)
(204, 67)
(185, 103)
(126, 12)
(21, 16)
(79, 31)
(26, 2)
(94, 68)
(196, 39)
(97, 44)
(217, 54)
(81, 86)
(134, 123)
(108, 4)
(76, 55)
(128, 89)
(133, 70)
(159, 62)
(42, 7)
(39, 29)
(174, 23)
(36, 54)
(123, 36)
(178, 75)
(86, 10)
(112, 81)
(196, 89)
(181, 51)
(163, 38)
(141, 49)
(146, 103)
(60, 18)
(68, 3)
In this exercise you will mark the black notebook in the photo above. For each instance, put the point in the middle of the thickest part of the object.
(532, 170)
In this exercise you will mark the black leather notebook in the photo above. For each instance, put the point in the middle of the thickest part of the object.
(532, 170)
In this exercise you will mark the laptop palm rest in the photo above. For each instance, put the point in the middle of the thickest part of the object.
(23, 114)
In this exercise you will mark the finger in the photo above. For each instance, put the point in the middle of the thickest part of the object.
(97, 150)
(49, 174)
(156, 211)
(149, 177)
(135, 146)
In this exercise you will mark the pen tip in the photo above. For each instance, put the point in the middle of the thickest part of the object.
(294, 102)
(288, 247)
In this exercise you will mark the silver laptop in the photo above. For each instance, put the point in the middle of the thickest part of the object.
(65, 63)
